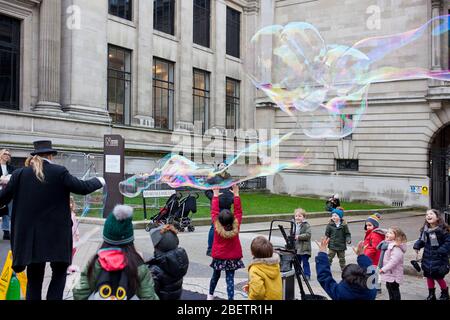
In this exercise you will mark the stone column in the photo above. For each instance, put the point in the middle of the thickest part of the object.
(436, 6)
(184, 107)
(218, 109)
(49, 56)
(144, 113)
(84, 62)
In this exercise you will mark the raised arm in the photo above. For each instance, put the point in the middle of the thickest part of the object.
(215, 204)
(237, 204)
(78, 186)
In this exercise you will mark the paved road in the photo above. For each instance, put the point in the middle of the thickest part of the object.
(409, 225)
(198, 276)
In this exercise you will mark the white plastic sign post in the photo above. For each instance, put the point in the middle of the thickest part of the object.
(157, 193)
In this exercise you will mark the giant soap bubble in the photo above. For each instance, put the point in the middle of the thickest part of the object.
(320, 84)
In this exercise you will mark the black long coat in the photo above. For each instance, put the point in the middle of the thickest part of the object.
(41, 224)
(11, 169)
(435, 263)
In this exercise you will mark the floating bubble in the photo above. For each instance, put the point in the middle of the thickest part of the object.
(323, 84)
(178, 171)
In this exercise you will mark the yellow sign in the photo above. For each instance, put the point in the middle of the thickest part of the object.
(425, 190)
(5, 278)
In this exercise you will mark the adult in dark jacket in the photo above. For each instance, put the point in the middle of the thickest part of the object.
(435, 240)
(355, 278)
(41, 224)
(6, 169)
(169, 264)
(226, 198)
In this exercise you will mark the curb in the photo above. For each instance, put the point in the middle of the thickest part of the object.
(259, 218)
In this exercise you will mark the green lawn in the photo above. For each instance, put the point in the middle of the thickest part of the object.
(253, 204)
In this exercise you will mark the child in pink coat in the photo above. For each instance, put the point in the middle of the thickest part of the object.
(391, 261)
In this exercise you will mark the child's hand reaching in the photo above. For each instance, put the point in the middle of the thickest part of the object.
(216, 191)
(323, 245)
(359, 250)
(245, 288)
(236, 190)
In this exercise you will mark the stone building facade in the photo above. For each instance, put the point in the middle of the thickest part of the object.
(399, 153)
(64, 74)
(84, 68)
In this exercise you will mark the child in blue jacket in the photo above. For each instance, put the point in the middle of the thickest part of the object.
(357, 282)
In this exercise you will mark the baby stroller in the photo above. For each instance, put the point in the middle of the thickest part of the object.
(180, 217)
(165, 213)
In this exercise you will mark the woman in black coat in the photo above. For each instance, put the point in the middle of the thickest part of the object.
(169, 264)
(435, 240)
(41, 225)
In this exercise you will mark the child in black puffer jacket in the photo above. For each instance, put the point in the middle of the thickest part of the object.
(435, 240)
(169, 264)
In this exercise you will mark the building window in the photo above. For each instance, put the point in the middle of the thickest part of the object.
(347, 126)
(163, 93)
(201, 99)
(233, 32)
(232, 104)
(202, 18)
(119, 84)
(9, 62)
(164, 16)
(121, 8)
(347, 165)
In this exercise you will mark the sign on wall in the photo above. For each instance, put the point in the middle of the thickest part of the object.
(423, 190)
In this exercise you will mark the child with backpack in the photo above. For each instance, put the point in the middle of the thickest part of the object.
(226, 250)
(339, 236)
(169, 264)
(435, 240)
(117, 271)
(264, 272)
(391, 261)
(303, 240)
(355, 277)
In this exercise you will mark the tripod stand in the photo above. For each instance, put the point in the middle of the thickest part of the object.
(290, 249)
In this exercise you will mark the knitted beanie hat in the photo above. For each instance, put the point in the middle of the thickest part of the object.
(374, 219)
(118, 228)
(339, 212)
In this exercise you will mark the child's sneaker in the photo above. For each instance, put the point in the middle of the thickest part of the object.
(210, 297)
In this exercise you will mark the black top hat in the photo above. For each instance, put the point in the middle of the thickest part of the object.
(43, 147)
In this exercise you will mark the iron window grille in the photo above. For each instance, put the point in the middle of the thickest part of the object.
(232, 104)
(9, 62)
(164, 16)
(119, 84)
(347, 165)
(233, 32)
(121, 8)
(201, 97)
(163, 93)
(202, 18)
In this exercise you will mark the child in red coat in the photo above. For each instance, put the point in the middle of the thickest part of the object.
(374, 235)
(226, 249)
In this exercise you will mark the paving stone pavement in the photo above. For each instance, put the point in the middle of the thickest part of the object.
(198, 276)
